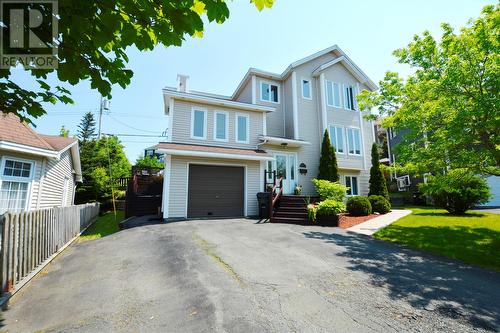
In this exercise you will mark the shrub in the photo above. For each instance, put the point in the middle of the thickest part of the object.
(312, 210)
(378, 185)
(359, 206)
(457, 191)
(328, 168)
(330, 207)
(379, 204)
(330, 190)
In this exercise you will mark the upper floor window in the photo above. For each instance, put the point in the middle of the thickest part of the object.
(349, 97)
(221, 125)
(242, 128)
(354, 141)
(352, 183)
(337, 138)
(15, 178)
(269, 92)
(333, 94)
(306, 89)
(199, 124)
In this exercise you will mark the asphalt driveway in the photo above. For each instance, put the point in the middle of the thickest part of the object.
(242, 276)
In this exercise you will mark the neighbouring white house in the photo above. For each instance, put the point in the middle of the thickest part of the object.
(218, 147)
(36, 171)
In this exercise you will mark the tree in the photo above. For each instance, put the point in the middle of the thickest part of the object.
(378, 185)
(102, 161)
(450, 105)
(92, 42)
(86, 128)
(149, 162)
(64, 132)
(328, 168)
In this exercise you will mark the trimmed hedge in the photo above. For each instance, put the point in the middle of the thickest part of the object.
(379, 204)
(359, 206)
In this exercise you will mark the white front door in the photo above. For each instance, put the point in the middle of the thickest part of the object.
(285, 166)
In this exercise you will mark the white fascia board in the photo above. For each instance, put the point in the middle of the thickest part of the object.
(176, 152)
(215, 101)
(75, 155)
(29, 150)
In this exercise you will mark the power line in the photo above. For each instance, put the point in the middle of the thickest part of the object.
(131, 127)
(135, 135)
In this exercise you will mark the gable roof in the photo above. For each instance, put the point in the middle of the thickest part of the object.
(19, 137)
(350, 65)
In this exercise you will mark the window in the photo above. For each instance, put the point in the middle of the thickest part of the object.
(352, 183)
(221, 126)
(269, 92)
(337, 138)
(349, 97)
(291, 159)
(269, 171)
(306, 89)
(242, 128)
(354, 141)
(199, 124)
(333, 94)
(15, 179)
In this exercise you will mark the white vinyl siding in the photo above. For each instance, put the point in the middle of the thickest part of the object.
(199, 123)
(333, 94)
(179, 183)
(52, 186)
(306, 89)
(221, 126)
(337, 135)
(354, 141)
(242, 128)
(269, 92)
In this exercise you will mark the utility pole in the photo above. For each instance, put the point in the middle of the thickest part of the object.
(103, 105)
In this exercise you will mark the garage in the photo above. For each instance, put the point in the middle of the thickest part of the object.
(216, 191)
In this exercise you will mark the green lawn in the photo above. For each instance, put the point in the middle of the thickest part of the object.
(473, 238)
(104, 226)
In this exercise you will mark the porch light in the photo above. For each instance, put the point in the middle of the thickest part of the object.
(302, 169)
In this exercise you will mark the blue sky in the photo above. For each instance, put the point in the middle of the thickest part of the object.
(368, 31)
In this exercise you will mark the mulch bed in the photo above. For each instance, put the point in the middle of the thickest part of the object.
(347, 221)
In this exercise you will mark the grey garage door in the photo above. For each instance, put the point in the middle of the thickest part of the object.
(216, 191)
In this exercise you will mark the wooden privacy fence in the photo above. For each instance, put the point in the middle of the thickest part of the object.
(29, 239)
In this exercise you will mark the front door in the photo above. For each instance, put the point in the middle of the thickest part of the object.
(285, 167)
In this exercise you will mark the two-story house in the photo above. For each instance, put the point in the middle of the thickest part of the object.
(218, 147)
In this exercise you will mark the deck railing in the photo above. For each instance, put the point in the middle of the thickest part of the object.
(275, 197)
(29, 240)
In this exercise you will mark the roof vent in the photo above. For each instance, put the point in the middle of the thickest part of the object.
(182, 82)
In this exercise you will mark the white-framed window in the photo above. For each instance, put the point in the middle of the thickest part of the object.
(269, 92)
(198, 123)
(269, 168)
(350, 97)
(15, 184)
(332, 94)
(242, 128)
(306, 88)
(64, 198)
(221, 125)
(353, 141)
(337, 138)
(352, 183)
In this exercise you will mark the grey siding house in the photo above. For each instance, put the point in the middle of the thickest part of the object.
(36, 171)
(218, 147)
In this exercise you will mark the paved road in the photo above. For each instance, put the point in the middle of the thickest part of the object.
(241, 276)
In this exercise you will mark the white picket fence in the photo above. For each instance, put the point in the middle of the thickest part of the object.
(30, 239)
